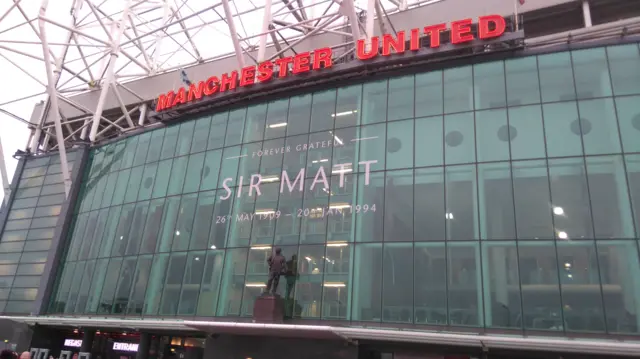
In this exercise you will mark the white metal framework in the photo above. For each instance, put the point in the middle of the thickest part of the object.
(101, 45)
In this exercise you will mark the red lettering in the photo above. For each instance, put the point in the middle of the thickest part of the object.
(322, 57)
(434, 33)
(229, 83)
(301, 63)
(283, 66)
(483, 26)
(196, 91)
(415, 40)
(211, 86)
(361, 51)
(163, 102)
(248, 76)
(461, 31)
(388, 42)
(181, 97)
(265, 71)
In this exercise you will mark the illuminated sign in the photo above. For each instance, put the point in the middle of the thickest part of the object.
(76, 343)
(125, 347)
(490, 26)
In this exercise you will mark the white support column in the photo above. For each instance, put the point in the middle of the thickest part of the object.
(143, 114)
(3, 174)
(266, 20)
(586, 12)
(159, 36)
(348, 9)
(233, 33)
(53, 98)
(371, 5)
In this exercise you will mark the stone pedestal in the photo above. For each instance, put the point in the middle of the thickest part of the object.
(268, 309)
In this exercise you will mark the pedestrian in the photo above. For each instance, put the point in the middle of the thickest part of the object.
(7, 354)
(26, 355)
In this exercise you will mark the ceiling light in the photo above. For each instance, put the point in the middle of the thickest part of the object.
(567, 265)
(261, 248)
(265, 211)
(345, 113)
(197, 258)
(340, 206)
(337, 244)
(177, 233)
(448, 215)
(255, 285)
(308, 258)
(276, 125)
(558, 211)
(213, 247)
(563, 235)
(269, 179)
(334, 285)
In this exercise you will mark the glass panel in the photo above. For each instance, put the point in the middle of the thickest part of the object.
(31, 182)
(110, 231)
(401, 98)
(59, 188)
(458, 89)
(249, 162)
(599, 126)
(349, 106)
(39, 223)
(430, 287)
(142, 149)
(8, 269)
(171, 290)
(201, 134)
(369, 226)
(155, 146)
(400, 144)
(288, 227)
(109, 288)
(124, 285)
(624, 64)
(502, 303)
(493, 135)
(429, 99)
(21, 294)
(35, 162)
(429, 212)
(397, 283)
(203, 220)
(320, 157)
(19, 307)
(210, 288)
(462, 206)
(129, 152)
(221, 222)
(139, 285)
(26, 281)
(235, 127)
(184, 222)
(148, 177)
(37, 246)
(398, 210)
(109, 189)
(233, 282)
(633, 175)
(570, 196)
(9, 236)
(156, 280)
(152, 226)
(532, 202)
(121, 238)
(374, 102)
(523, 86)
(556, 77)
(5, 282)
(563, 129)
(580, 285)
(619, 270)
(162, 179)
(629, 119)
(367, 286)
(34, 172)
(230, 160)
(83, 293)
(342, 210)
(526, 133)
(489, 85)
(95, 291)
(29, 202)
(304, 284)
(428, 141)
(609, 198)
(185, 138)
(34, 257)
(178, 171)
(170, 141)
(39, 233)
(591, 73)
(265, 214)
(29, 269)
(121, 187)
(47, 211)
(218, 130)
(191, 283)
(299, 115)
(336, 298)
(497, 218)
(256, 278)
(271, 160)
(211, 170)
(194, 173)
(276, 124)
(11, 247)
(372, 150)
(137, 227)
(465, 283)
(254, 126)
(27, 192)
(323, 110)
(459, 138)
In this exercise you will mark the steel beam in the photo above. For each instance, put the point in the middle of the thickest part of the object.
(348, 9)
(6, 186)
(266, 21)
(233, 33)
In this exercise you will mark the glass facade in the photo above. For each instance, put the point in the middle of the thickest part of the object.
(499, 195)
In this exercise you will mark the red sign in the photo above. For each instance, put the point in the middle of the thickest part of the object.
(490, 26)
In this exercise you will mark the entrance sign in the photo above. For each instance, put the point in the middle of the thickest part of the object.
(75, 343)
(125, 347)
(490, 26)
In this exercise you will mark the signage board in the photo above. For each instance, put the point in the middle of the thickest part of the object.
(125, 347)
(460, 32)
(75, 343)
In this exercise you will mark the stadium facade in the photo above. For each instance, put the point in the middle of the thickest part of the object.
(472, 189)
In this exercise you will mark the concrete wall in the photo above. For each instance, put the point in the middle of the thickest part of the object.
(444, 11)
(231, 347)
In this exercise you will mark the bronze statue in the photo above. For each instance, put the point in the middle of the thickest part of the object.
(277, 266)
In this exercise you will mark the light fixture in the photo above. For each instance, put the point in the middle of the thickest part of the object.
(124, 333)
(345, 113)
(320, 160)
(177, 233)
(98, 332)
(255, 285)
(213, 247)
(558, 211)
(346, 170)
(448, 215)
(570, 275)
(563, 235)
(337, 244)
(276, 125)
(121, 237)
(336, 138)
(567, 265)
(265, 211)
(308, 258)
(334, 285)
(339, 206)
(75, 331)
(269, 179)
(197, 258)
(261, 248)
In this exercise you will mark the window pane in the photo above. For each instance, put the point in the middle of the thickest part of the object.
(95, 290)
(299, 115)
(599, 126)
(46, 233)
(34, 257)
(348, 108)
(29, 202)
(497, 219)
(155, 146)
(229, 170)
(121, 187)
(8, 269)
(374, 102)
(156, 281)
(47, 211)
(372, 149)
(185, 138)
(318, 156)
(235, 127)
(28, 269)
(609, 198)
(152, 226)
(578, 265)
(523, 86)
(37, 245)
(256, 278)
(31, 182)
(221, 221)
(493, 135)
(556, 77)
(619, 268)
(462, 207)
(121, 238)
(323, 110)
(142, 149)
(57, 305)
(136, 300)
(314, 223)
(21, 294)
(194, 173)
(591, 73)
(11, 247)
(211, 170)
(277, 119)
(191, 283)
(400, 144)
(254, 126)
(83, 294)
(109, 232)
(629, 119)
(170, 141)
(345, 157)
(249, 162)
(429, 94)
(178, 171)
(532, 202)
(464, 276)
(271, 159)
(563, 129)
(203, 220)
(184, 222)
(488, 83)
(162, 179)
(401, 98)
(341, 213)
(459, 138)
(428, 141)
(210, 288)
(137, 227)
(398, 210)
(430, 286)
(633, 175)
(218, 130)
(502, 304)
(305, 285)
(569, 194)
(9, 236)
(336, 298)
(624, 64)
(526, 133)
(264, 220)
(148, 177)
(288, 227)
(458, 89)
(369, 226)
(173, 279)
(233, 283)
(109, 288)
(201, 134)
(429, 211)
(26, 281)
(397, 282)
(367, 286)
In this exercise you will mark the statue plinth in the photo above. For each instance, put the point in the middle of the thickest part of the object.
(268, 309)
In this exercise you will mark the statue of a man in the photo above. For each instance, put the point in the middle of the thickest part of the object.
(277, 266)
